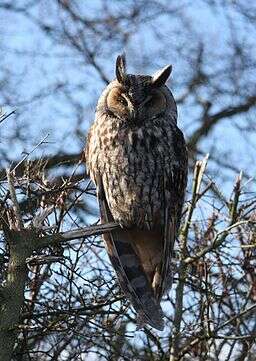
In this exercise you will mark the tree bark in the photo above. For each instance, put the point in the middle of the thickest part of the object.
(12, 293)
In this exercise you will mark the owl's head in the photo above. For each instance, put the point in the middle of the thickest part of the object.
(136, 98)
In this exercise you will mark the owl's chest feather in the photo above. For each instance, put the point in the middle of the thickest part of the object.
(133, 163)
(119, 146)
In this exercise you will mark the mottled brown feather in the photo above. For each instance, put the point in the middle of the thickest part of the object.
(137, 157)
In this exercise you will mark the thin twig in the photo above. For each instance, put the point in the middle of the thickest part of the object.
(28, 154)
(6, 116)
(198, 175)
(16, 208)
(214, 333)
(218, 241)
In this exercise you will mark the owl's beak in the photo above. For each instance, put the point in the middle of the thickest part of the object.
(133, 114)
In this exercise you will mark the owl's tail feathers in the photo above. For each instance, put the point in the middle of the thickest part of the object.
(133, 279)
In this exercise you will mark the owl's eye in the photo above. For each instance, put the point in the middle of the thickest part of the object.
(122, 100)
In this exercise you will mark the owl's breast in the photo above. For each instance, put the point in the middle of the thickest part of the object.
(132, 163)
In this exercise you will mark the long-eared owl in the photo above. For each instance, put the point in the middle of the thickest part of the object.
(136, 155)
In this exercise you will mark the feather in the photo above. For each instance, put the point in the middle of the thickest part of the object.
(140, 170)
(127, 264)
(174, 183)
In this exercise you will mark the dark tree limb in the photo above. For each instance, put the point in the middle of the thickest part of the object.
(209, 121)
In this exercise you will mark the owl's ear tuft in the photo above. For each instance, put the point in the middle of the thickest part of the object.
(161, 76)
(121, 68)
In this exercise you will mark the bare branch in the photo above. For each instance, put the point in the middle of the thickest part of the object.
(60, 237)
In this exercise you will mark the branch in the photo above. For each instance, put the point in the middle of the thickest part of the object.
(60, 237)
(49, 162)
(217, 242)
(209, 121)
(198, 175)
(214, 333)
(220, 237)
(16, 208)
(28, 154)
(12, 293)
(5, 116)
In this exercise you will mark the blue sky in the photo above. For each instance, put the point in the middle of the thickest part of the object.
(40, 63)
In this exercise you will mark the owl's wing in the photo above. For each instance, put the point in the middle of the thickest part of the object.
(174, 186)
(127, 265)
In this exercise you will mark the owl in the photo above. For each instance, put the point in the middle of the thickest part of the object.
(136, 156)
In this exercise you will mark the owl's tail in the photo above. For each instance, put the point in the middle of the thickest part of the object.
(134, 280)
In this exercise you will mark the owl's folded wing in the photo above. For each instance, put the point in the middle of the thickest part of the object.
(127, 265)
(175, 180)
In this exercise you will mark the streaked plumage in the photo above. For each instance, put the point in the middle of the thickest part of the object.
(136, 155)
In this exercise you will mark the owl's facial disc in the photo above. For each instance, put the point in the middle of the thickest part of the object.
(120, 104)
(154, 105)
(136, 110)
